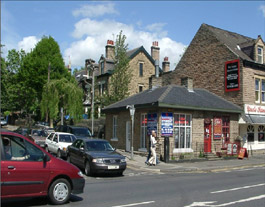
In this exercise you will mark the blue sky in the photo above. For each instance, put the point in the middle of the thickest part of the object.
(82, 28)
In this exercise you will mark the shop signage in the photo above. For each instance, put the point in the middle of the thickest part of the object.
(231, 149)
(232, 76)
(151, 123)
(254, 109)
(217, 128)
(242, 153)
(167, 124)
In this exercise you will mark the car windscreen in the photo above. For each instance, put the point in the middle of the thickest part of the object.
(81, 132)
(98, 146)
(66, 138)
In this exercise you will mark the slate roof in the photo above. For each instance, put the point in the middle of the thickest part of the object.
(173, 96)
(232, 41)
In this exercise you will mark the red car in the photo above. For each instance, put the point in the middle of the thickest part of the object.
(27, 171)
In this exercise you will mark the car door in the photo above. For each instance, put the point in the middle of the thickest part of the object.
(49, 141)
(74, 152)
(54, 143)
(23, 170)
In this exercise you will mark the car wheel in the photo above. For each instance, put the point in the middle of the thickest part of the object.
(87, 169)
(59, 192)
(59, 154)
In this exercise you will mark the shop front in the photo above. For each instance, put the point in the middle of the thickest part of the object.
(252, 127)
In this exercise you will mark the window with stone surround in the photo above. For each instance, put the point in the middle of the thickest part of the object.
(182, 131)
(260, 90)
(260, 55)
(141, 68)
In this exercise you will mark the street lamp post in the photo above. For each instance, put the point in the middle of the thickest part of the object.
(132, 111)
(92, 66)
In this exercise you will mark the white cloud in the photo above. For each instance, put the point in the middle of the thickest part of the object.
(95, 10)
(28, 43)
(262, 8)
(92, 36)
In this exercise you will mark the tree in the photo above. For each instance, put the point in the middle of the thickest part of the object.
(62, 94)
(34, 71)
(121, 77)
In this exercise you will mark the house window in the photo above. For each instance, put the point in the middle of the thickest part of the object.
(141, 65)
(257, 89)
(102, 67)
(260, 55)
(140, 89)
(115, 126)
(101, 88)
(263, 91)
(261, 133)
(182, 130)
(250, 131)
(226, 129)
(143, 131)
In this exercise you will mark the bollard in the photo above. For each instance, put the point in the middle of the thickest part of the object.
(166, 149)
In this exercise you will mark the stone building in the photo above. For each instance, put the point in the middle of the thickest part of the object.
(231, 66)
(183, 114)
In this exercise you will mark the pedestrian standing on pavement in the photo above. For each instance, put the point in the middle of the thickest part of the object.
(152, 160)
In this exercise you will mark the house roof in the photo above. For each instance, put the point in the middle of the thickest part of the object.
(173, 96)
(233, 41)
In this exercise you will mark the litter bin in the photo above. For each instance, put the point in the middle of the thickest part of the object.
(166, 149)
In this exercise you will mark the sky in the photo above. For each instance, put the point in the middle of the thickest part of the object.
(82, 28)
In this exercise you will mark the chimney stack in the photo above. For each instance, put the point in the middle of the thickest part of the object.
(110, 50)
(155, 51)
(166, 65)
(188, 83)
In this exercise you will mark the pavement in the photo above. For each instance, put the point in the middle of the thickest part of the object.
(196, 165)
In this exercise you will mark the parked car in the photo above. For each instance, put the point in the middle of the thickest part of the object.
(42, 124)
(57, 142)
(95, 156)
(3, 121)
(27, 170)
(78, 131)
(39, 136)
(23, 131)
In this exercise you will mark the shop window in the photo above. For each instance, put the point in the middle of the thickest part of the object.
(261, 133)
(182, 131)
(250, 131)
(114, 127)
(143, 131)
(226, 129)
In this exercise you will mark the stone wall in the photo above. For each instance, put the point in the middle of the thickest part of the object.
(204, 61)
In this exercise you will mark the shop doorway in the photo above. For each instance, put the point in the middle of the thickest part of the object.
(128, 135)
(207, 137)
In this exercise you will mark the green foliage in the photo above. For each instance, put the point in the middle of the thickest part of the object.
(62, 93)
(121, 77)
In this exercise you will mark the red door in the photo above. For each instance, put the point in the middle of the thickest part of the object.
(207, 137)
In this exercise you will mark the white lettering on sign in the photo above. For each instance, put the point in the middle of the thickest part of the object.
(254, 109)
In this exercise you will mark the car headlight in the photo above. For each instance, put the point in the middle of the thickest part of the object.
(98, 160)
(123, 160)
(80, 174)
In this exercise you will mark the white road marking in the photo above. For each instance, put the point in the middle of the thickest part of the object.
(239, 188)
(210, 203)
(135, 204)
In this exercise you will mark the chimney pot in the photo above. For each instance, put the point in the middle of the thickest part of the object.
(166, 59)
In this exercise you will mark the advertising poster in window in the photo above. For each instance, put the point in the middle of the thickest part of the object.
(217, 128)
(167, 124)
(151, 123)
(232, 76)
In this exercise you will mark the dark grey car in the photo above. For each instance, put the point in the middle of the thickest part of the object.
(96, 156)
